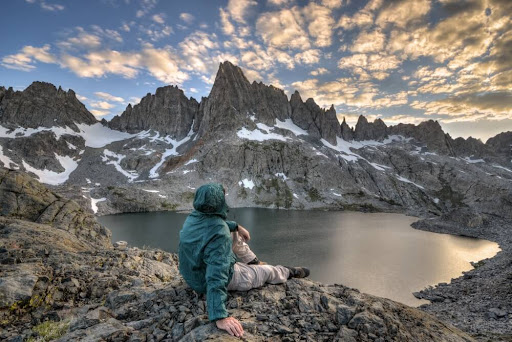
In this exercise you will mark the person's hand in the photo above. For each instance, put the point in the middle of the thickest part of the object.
(231, 325)
(244, 233)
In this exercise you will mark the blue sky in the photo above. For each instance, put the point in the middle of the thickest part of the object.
(401, 60)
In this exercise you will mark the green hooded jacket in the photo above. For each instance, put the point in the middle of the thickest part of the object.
(205, 252)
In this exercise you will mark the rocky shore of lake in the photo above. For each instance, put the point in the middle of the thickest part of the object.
(480, 301)
(61, 279)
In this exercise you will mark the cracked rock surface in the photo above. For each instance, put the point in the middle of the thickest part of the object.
(94, 292)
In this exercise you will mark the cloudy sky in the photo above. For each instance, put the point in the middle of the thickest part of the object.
(400, 60)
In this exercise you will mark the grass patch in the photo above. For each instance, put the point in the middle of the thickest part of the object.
(188, 196)
(49, 330)
(168, 205)
(314, 195)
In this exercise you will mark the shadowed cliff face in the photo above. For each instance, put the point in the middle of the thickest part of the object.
(168, 112)
(23, 198)
(57, 267)
(42, 105)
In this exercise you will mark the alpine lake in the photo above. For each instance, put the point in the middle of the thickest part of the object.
(377, 253)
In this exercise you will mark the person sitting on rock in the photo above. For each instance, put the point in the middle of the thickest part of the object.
(208, 249)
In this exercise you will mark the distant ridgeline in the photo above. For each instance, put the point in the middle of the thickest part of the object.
(267, 150)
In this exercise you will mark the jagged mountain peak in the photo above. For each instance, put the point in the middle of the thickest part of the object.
(364, 130)
(501, 143)
(168, 111)
(361, 120)
(296, 97)
(231, 74)
(42, 104)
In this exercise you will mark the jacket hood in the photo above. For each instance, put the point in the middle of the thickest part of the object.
(210, 200)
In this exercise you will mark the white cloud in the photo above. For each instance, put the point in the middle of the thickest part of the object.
(469, 106)
(156, 33)
(82, 40)
(125, 27)
(51, 7)
(160, 63)
(134, 100)
(163, 65)
(239, 9)
(96, 38)
(278, 2)
(187, 17)
(401, 13)
(108, 97)
(28, 55)
(258, 61)
(102, 105)
(98, 64)
(196, 49)
(99, 113)
(320, 24)
(227, 26)
(146, 6)
(332, 3)
(158, 18)
(369, 42)
(308, 57)
(349, 92)
(366, 65)
(362, 18)
(47, 6)
(319, 71)
(282, 29)
(282, 57)
(252, 75)
(81, 98)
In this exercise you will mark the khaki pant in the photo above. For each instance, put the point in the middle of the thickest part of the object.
(246, 277)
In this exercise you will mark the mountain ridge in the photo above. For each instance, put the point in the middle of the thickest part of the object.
(242, 98)
(294, 152)
(319, 122)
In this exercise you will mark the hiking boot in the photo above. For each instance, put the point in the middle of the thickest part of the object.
(298, 272)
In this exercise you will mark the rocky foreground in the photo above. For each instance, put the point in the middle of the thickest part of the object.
(61, 279)
(479, 302)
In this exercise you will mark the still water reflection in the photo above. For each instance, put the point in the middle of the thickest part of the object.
(378, 253)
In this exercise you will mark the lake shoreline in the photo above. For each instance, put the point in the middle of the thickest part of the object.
(485, 312)
(63, 280)
(480, 301)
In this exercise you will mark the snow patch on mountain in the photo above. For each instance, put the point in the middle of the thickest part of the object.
(6, 160)
(52, 177)
(191, 161)
(112, 158)
(95, 135)
(405, 180)
(170, 152)
(290, 126)
(259, 134)
(343, 147)
(282, 175)
(246, 183)
(94, 203)
(473, 161)
(501, 167)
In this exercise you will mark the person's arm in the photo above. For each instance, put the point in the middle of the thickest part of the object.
(244, 233)
(232, 225)
(216, 257)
